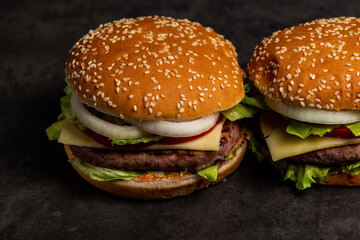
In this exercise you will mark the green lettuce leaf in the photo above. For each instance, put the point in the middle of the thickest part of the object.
(249, 87)
(260, 149)
(256, 101)
(230, 156)
(53, 132)
(240, 111)
(305, 174)
(253, 97)
(351, 169)
(135, 140)
(107, 174)
(250, 105)
(303, 130)
(354, 128)
(65, 104)
(104, 174)
(210, 173)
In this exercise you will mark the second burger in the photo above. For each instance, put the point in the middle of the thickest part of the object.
(310, 76)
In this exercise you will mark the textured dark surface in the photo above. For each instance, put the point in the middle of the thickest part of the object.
(42, 197)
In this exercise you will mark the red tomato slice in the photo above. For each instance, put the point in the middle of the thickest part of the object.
(164, 141)
(341, 132)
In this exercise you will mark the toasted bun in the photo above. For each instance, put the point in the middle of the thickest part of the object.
(341, 179)
(155, 68)
(315, 64)
(163, 188)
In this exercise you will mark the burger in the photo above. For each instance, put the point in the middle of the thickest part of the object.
(309, 76)
(144, 115)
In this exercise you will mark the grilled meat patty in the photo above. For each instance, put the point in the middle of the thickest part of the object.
(330, 156)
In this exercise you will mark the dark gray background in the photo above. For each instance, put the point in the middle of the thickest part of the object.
(41, 196)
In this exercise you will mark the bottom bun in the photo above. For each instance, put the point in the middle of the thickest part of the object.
(341, 179)
(163, 188)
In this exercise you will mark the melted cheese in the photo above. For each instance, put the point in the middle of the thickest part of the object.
(282, 145)
(71, 135)
(210, 142)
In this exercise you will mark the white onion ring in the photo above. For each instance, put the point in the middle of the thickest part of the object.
(177, 128)
(103, 127)
(313, 115)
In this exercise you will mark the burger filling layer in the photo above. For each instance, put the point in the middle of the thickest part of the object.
(164, 160)
(99, 156)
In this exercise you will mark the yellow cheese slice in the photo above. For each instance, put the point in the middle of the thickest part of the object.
(282, 145)
(71, 135)
(210, 142)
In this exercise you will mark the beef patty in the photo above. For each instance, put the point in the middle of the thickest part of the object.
(232, 136)
(330, 156)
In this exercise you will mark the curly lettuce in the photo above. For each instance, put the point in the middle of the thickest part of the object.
(239, 111)
(104, 174)
(53, 131)
(210, 173)
(304, 175)
(250, 105)
(303, 130)
(260, 149)
(107, 174)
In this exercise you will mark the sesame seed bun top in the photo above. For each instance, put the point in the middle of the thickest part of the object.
(155, 68)
(316, 64)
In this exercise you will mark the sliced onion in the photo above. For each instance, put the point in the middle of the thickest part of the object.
(103, 127)
(313, 115)
(177, 128)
